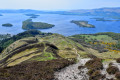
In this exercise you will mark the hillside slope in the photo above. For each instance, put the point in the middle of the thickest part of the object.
(103, 45)
(40, 49)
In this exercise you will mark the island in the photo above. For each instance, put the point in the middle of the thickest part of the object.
(83, 24)
(103, 19)
(29, 24)
(7, 25)
(32, 15)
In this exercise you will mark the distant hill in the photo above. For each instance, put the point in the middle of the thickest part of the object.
(19, 11)
(29, 11)
(116, 10)
(107, 12)
(40, 49)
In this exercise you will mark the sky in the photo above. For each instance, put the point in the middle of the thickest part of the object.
(57, 4)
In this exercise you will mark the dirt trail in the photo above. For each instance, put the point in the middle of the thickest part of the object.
(72, 72)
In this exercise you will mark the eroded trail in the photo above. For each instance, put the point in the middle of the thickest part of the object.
(72, 72)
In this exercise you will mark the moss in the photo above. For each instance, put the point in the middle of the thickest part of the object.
(112, 70)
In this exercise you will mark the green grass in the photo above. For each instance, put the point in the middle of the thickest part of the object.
(44, 57)
(104, 38)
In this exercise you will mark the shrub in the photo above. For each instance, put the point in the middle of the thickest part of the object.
(91, 56)
(38, 70)
(96, 75)
(90, 72)
(110, 64)
(110, 79)
(81, 67)
(118, 60)
(112, 70)
(94, 64)
(117, 75)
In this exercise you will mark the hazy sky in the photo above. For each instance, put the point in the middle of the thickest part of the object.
(57, 4)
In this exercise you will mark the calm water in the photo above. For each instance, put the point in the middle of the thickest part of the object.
(61, 22)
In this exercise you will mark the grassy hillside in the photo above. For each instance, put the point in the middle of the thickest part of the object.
(30, 33)
(40, 55)
(55, 46)
(39, 48)
(103, 45)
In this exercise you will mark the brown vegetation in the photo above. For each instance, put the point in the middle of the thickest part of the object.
(94, 64)
(96, 75)
(43, 70)
(91, 56)
(117, 75)
(112, 70)
(118, 60)
(110, 79)
(81, 67)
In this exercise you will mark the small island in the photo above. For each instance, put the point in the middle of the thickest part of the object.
(83, 24)
(32, 15)
(7, 25)
(29, 24)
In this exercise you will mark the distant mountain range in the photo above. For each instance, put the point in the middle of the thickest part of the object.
(115, 10)
(27, 11)
(106, 12)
